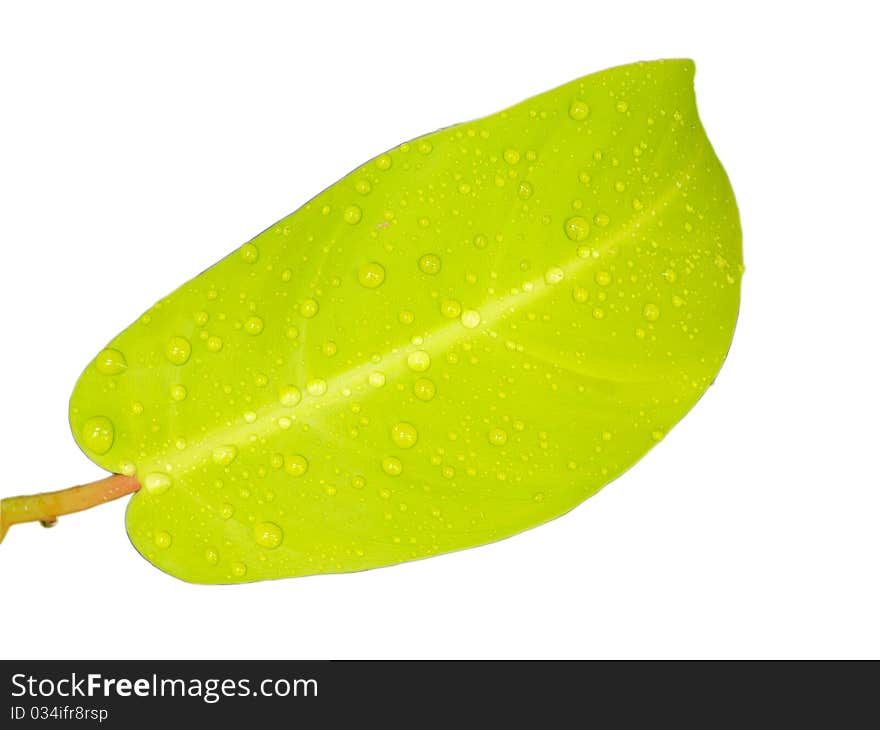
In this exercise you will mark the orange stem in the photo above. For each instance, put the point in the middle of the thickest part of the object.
(49, 506)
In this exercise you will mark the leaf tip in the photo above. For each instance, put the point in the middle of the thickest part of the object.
(686, 67)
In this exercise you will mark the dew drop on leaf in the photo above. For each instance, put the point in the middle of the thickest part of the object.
(352, 214)
(289, 396)
(578, 110)
(224, 455)
(268, 535)
(371, 275)
(178, 350)
(424, 389)
(470, 318)
(97, 434)
(309, 308)
(296, 464)
(577, 228)
(249, 253)
(392, 466)
(404, 435)
(651, 312)
(497, 437)
(418, 361)
(157, 483)
(253, 325)
(110, 362)
(430, 264)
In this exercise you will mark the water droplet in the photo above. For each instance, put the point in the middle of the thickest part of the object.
(392, 466)
(329, 348)
(424, 389)
(511, 156)
(249, 253)
(577, 228)
(226, 511)
(178, 392)
(296, 465)
(554, 275)
(162, 540)
(316, 387)
(352, 214)
(371, 275)
(239, 570)
(383, 162)
(578, 110)
(601, 219)
(602, 278)
(657, 435)
(480, 241)
(309, 308)
(470, 318)
(268, 535)
(524, 190)
(376, 379)
(425, 147)
(418, 361)
(97, 434)
(253, 325)
(250, 417)
(450, 308)
(579, 294)
(214, 343)
(538, 497)
(430, 264)
(178, 350)
(110, 362)
(497, 437)
(651, 312)
(598, 313)
(157, 483)
(404, 435)
(622, 106)
(406, 316)
(212, 556)
(289, 396)
(224, 455)
(363, 186)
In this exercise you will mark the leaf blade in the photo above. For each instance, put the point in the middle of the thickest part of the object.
(538, 295)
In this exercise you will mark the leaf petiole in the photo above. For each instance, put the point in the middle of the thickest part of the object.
(48, 506)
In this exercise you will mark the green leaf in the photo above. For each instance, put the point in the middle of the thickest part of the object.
(463, 338)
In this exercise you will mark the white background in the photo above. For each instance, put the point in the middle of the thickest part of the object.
(141, 142)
